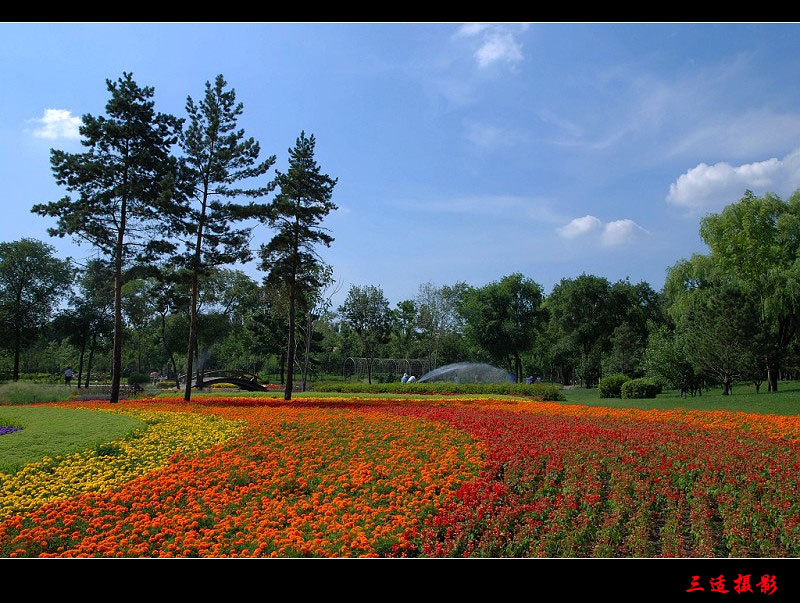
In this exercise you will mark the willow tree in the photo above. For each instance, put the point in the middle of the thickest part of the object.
(216, 157)
(756, 242)
(123, 182)
(297, 211)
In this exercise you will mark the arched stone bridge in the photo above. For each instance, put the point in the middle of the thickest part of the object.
(243, 380)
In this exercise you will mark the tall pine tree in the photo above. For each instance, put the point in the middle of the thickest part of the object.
(290, 258)
(124, 204)
(216, 158)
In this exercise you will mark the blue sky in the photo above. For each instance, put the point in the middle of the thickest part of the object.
(463, 151)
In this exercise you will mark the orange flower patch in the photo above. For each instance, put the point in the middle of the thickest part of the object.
(299, 481)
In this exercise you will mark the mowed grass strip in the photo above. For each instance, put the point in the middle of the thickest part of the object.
(785, 402)
(48, 432)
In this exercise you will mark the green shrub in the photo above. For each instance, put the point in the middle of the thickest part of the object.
(611, 386)
(540, 391)
(641, 388)
(170, 384)
(138, 379)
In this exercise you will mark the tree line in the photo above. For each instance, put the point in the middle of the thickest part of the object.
(729, 315)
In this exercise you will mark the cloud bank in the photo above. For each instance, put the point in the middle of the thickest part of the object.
(713, 186)
(610, 234)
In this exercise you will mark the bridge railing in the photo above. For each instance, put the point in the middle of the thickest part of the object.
(207, 375)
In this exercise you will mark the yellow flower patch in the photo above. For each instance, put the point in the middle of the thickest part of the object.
(139, 453)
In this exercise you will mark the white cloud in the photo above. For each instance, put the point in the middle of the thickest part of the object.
(620, 232)
(713, 186)
(57, 123)
(498, 47)
(497, 43)
(472, 29)
(611, 234)
(579, 226)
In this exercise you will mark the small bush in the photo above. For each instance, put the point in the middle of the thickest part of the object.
(166, 384)
(611, 386)
(138, 379)
(222, 386)
(641, 388)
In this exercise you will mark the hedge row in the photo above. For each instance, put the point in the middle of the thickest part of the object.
(541, 391)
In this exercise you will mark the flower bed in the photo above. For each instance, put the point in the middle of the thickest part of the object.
(447, 477)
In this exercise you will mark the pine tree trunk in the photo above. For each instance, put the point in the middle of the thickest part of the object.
(772, 378)
(17, 344)
(80, 364)
(309, 325)
(287, 393)
(195, 287)
(187, 395)
(91, 358)
(116, 363)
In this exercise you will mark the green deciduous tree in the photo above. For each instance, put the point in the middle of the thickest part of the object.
(366, 311)
(582, 311)
(32, 281)
(504, 317)
(756, 241)
(718, 333)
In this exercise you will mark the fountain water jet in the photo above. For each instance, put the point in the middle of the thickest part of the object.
(468, 372)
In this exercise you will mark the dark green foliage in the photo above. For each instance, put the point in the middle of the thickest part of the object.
(756, 242)
(504, 317)
(598, 325)
(138, 379)
(644, 387)
(32, 281)
(367, 312)
(611, 386)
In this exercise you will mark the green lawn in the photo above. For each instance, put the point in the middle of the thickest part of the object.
(786, 401)
(53, 431)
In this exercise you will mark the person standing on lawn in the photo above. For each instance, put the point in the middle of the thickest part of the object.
(68, 376)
